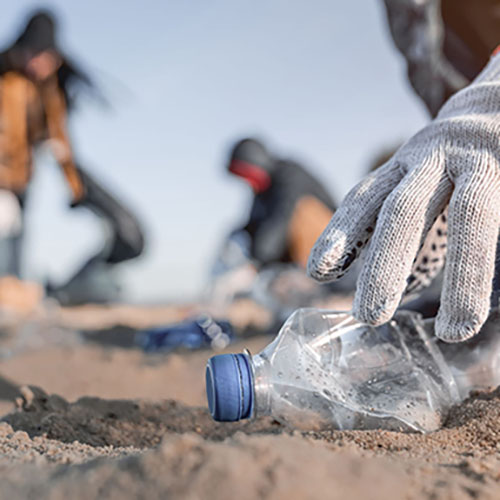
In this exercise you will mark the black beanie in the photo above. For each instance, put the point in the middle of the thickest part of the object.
(253, 152)
(39, 34)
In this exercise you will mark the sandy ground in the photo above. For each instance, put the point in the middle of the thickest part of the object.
(85, 418)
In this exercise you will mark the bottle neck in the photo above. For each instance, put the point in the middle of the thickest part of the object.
(261, 386)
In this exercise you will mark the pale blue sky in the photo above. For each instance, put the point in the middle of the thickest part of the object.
(318, 78)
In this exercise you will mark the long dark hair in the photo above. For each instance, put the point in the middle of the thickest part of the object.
(40, 34)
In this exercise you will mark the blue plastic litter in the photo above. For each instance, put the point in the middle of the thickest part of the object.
(200, 333)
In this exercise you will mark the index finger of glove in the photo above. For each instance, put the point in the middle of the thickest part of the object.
(352, 224)
(404, 219)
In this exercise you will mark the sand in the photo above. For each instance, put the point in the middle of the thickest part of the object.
(85, 419)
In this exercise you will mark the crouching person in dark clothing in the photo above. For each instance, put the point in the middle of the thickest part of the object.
(290, 207)
(267, 256)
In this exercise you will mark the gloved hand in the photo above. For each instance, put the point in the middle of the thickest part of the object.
(453, 161)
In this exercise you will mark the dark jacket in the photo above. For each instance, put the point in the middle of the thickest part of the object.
(273, 209)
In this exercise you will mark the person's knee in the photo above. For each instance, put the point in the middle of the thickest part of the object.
(127, 245)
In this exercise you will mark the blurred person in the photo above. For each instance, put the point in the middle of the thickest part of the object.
(38, 85)
(446, 177)
(288, 207)
(267, 256)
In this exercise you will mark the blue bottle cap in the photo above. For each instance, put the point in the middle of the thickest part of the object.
(229, 387)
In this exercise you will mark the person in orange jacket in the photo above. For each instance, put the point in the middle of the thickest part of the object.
(36, 81)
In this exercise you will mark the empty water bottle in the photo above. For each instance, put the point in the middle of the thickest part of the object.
(326, 370)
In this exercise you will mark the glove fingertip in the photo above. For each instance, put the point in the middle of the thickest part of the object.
(322, 267)
(318, 271)
(372, 315)
(451, 330)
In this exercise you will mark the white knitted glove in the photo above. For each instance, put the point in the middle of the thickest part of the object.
(453, 161)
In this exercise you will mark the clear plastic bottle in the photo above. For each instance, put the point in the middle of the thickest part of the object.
(325, 370)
